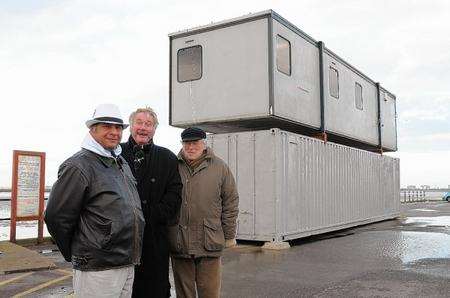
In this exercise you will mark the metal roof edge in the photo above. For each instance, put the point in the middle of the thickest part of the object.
(294, 28)
(388, 92)
(357, 71)
(223, 23)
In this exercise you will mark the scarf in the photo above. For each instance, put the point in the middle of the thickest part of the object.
(89, 143)
(193, 164)
(140, 153)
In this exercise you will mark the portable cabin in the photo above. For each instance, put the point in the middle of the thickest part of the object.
(260, 71)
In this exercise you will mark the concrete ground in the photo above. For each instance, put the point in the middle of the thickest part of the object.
(406, 257)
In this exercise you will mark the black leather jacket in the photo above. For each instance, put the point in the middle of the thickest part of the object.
(94, 213)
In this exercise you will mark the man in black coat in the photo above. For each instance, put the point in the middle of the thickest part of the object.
(159, 185)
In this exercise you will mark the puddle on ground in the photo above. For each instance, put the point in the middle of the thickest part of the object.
(439, 221)
(433, 267)
(411, 246)
(421, 252)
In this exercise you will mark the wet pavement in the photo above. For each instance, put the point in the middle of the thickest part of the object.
(15, 258)
(406, 257)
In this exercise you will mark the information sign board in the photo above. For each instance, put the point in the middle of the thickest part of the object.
(27, 192)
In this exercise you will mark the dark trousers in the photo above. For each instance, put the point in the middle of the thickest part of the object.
(197, 275)
(147, 284)
(151, 277)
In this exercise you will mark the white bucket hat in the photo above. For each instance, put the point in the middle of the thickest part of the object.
(106, 113)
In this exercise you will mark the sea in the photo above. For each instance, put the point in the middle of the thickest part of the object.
(29, 229)
(24, 229)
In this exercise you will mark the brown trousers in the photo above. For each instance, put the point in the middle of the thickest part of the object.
(201, 274)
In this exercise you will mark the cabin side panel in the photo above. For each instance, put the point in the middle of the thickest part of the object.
(234, 75)
(296, 94)
(388, 121)
(351, 108)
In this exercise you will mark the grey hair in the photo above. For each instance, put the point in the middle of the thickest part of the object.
(204, 141)
(147, 110)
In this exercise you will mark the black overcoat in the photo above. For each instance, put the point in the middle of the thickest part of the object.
(159, 187)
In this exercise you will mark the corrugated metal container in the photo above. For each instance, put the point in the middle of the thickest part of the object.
(260, 71)
(292, 186)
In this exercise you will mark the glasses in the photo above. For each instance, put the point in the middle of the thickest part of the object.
(147, 124)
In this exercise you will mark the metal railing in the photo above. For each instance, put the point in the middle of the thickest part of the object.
(9, 199)
(412, 195)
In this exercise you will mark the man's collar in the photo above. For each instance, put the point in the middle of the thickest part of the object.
(109, 162)
(209, 154)
(136, 147)
(106, 161)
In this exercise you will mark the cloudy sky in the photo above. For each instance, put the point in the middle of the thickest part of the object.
(59, 59)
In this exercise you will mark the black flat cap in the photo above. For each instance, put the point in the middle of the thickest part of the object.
(192, 134)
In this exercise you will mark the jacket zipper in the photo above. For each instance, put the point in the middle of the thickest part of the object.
(135, 228)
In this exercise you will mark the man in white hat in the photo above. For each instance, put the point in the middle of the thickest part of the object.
(94, 212)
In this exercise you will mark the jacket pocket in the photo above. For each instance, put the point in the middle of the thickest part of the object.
(214, 238)
(95, 232)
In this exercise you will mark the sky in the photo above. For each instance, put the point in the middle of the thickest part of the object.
(60, 59)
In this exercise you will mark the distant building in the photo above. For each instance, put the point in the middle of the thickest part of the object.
(425, 187)
(411, 187)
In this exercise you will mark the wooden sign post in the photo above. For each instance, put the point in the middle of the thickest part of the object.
(27, 191)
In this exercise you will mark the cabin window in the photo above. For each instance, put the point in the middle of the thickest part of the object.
(358, 96)
(283, 55)
(334, 82)
(189, 64)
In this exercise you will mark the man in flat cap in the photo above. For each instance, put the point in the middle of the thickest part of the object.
(94, 211)
(207, 220)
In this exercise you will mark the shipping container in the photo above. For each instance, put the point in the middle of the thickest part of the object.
(292, 186)
(260, 71)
